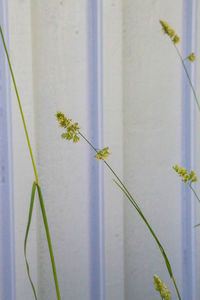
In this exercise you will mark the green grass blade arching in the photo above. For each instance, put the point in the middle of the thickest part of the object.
(153, 234)
(26, 236)
(73, 130)
(32, 159)
(131, 199)
(49, 241)
(133, 202)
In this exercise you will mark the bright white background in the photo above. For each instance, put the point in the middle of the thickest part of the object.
(142, 127)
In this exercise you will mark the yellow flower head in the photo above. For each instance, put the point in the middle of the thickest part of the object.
(161, 288)
(191, 57)
(176, 39)
(72, 130)
(102, 154)
(186, 176)
(170, 32)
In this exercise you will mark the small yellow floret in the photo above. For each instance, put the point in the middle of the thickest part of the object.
(169, 31)
(176, 39)
(102, 154)
(186, 176)
(161, 288)
(72, 130)
(191, 57)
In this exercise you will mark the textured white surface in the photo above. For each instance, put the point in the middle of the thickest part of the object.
(152, 144)
(60, 59)
(141, 109)
(21, 57)
(113, 129)
(198, 158)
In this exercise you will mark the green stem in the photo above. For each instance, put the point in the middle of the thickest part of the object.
(36, 177)
(190, 185)
(188, 76)
(179, 297)
(20, 106)
(49, 241)
(131, 199)
(105, 163)
(26, 237)
(156, 239)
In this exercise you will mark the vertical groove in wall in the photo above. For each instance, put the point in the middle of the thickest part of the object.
(188, 154)
(97, 264)
(7, 244)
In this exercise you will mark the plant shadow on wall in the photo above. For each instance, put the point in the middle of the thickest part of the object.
(72, 132)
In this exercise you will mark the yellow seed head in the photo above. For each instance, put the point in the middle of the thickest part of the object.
(176, 39)
(102, 154)
(161, 288)
(169, 31)
(176, 168)
(186, 176)
(72, 129)
(191, 57)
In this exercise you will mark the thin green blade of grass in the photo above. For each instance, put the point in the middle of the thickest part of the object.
(197, 225)
(26, 237)
(48, 241)
(188, 77)
(149, 227)
(194, 192)
(63, 122)
(134, 203)
(32, 159)
(130, 198)
(19, 103)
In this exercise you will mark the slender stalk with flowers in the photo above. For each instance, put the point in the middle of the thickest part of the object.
(175, 39)
(72, 132)
(35, 187)
(187, 177)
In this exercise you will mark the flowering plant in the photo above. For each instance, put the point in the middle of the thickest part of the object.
(72, 132)
(36, 186)
(102, 154)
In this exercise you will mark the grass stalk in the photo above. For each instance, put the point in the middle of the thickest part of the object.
(194, 192)
(188, 76)
(26, 237)
(36, 184)
(46, 226)
(120, 184)
(20, 106)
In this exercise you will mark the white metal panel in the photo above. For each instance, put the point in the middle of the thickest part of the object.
(152, 144)
(20, 51)
(7, 246)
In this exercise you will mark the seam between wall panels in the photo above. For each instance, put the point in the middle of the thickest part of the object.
(188, 155)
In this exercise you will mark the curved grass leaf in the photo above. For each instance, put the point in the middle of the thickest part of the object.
(48, 241)
(133, 202)
(26, 236)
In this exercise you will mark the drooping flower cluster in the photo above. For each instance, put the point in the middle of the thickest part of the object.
(161, 288)
(170, 32)
(102, 154)
(191, 57)
(186, 177)
(72, 129)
